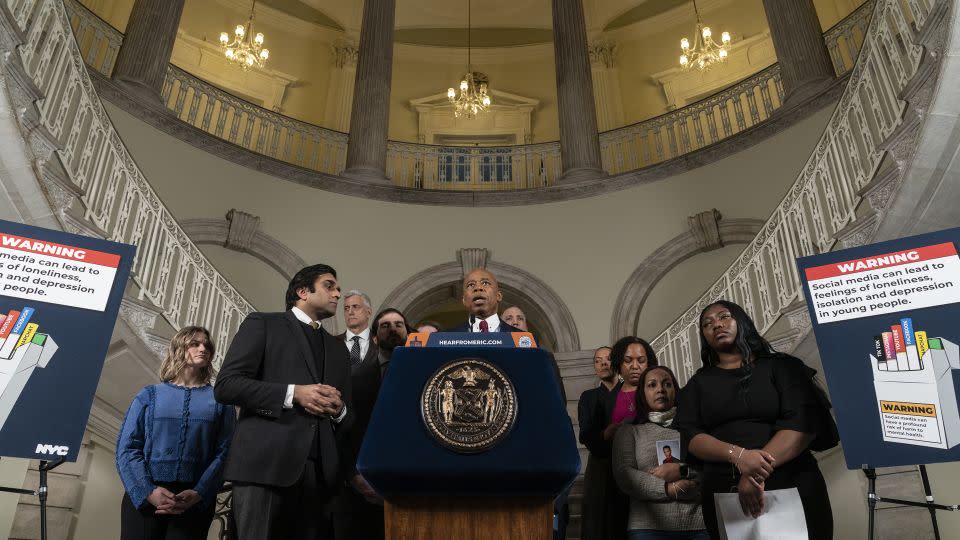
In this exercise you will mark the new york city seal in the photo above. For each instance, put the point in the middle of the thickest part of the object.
(469, 405)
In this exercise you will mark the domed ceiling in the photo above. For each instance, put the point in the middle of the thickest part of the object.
(495, 23)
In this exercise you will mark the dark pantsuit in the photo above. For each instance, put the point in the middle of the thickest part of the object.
(295, 512)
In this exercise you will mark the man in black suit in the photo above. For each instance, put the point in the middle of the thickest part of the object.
(359, 509)
(291, 380)
(356, 314)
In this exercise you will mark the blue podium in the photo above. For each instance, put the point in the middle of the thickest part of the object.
(465, 385)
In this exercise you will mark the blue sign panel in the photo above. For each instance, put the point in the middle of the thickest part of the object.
(59, 296)
(886, 321)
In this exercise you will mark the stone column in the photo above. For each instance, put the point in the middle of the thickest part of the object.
(148, 43)
(579, 144)
(367, 145)
(340, 89)
(606, 85)
(805, 65)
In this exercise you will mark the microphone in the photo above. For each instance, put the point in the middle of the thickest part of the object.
(472, 319)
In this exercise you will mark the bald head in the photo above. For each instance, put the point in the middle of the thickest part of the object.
(481, 293)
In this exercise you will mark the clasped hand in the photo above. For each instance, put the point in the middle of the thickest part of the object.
(318, 399)
(755, 464)
(750, 493)
(167, 503)
(668, 472)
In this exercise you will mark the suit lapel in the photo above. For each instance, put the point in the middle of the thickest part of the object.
(293, 324)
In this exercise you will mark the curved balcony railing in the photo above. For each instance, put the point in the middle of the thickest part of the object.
(169, 271)
(172, 273)
(763, 279)
(420, 166)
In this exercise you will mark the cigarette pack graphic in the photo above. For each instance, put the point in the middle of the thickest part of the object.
(29, 349)
(11, 343)
(910, 341)
(918, 404)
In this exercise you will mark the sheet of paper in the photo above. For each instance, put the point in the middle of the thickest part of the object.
(782, 517)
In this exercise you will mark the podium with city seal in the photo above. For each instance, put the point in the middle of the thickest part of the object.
(470, 439)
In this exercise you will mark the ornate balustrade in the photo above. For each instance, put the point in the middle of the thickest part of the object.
(265, 132)
(117, 201)
(419, 166)
(423, 166)
(724, 114)
(763, 279)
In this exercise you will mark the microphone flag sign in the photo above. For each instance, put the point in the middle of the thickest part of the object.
(885, 318)
(59, 297)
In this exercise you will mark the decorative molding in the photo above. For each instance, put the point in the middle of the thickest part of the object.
(682, 14)
(242, 229)
(259, 244)
(290, 24)
(345, 53)
(540, 52)
(160, 118)
(206, 61)
(633, 295)
(545, 309)
(602, 54)
(747, 57)
(471, 258)
(705, 228)
(510, 115)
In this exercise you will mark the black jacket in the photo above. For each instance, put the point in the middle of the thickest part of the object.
(594, 411)
(271, 444)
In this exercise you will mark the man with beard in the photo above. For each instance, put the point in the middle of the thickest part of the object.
(515, 317)
(359, 509)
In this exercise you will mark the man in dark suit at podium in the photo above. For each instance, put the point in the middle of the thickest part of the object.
(482, 297)
(291, 380)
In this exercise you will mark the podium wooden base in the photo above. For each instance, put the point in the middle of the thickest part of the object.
(469, 518)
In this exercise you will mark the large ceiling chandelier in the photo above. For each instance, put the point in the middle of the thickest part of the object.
(246, 50)
(705, 51)
(473, 98)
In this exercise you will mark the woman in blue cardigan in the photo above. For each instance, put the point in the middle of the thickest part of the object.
(172, 446)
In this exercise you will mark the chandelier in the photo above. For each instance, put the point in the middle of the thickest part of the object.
(246, 50)
(473, 98)
(705, 51)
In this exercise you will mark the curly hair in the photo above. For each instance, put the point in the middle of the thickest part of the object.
(176, 357)
(619, 350)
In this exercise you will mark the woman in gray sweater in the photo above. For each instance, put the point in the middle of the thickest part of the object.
(664, 496)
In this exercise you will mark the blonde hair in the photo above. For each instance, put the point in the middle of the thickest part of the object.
(176, 357)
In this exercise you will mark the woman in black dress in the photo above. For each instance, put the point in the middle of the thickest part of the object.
(749, 416)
